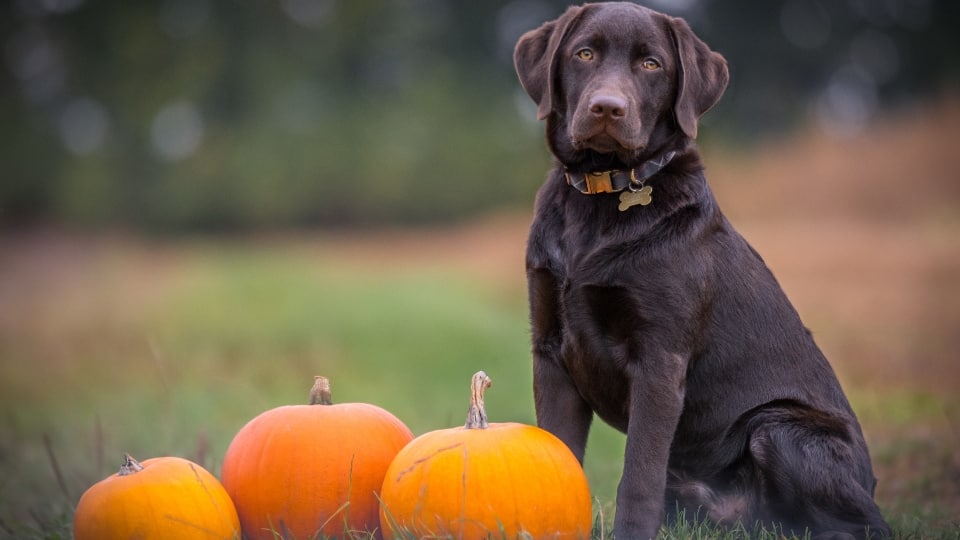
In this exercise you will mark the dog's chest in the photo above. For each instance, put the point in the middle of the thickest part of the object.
(623, 296)
(601, 305)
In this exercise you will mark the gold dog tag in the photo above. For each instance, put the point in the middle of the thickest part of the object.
(632, 198)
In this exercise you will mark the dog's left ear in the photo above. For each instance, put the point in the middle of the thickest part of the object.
(703, 76)
(535, 58)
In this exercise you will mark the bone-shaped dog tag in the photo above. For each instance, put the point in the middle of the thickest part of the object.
(632, 198)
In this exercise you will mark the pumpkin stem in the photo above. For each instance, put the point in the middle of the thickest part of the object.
(476, 414)
(129, 466)
(320, 393)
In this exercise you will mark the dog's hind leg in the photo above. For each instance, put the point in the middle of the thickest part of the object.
(816, 475)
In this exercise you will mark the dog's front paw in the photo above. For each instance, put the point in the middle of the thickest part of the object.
(625, 529)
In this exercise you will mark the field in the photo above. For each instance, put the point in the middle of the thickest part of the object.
(113, 342)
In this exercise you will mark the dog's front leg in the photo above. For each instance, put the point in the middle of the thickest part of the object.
(656, 401)
(560, 408)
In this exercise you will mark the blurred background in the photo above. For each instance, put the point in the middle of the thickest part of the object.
(186, 115)
(205, 203)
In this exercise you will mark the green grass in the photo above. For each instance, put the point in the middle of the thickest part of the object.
(173, 357)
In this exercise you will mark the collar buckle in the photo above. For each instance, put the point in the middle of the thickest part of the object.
(616, 181)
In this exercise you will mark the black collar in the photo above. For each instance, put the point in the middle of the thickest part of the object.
(618, 180)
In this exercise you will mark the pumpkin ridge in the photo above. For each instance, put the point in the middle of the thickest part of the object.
(211, 497)
(191, 524)
(336, 513)
(514, 498)
(424, 459)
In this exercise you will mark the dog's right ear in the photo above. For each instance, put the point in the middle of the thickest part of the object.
(535, 58)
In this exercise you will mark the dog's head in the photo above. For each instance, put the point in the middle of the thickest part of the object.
(618, 83)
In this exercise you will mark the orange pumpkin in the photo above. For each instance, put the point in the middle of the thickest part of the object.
(301, 469)
(161, 498)
(500, 479)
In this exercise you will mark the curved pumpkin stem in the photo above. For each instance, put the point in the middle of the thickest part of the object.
(476, 414)
(320, 393)
(129, 466)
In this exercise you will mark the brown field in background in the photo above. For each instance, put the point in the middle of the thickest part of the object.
(863, 234)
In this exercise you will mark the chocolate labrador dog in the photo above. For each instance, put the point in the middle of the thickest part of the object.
(650, 310)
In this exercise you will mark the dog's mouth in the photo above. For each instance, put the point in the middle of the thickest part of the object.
(606, 139)
(590, 160)
(604, 152)
(603, 143)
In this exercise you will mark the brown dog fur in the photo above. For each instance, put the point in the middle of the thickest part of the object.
(661, 319)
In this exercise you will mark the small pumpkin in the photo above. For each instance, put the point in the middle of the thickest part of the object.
(297, 470)
(499, 479)
(160, 498)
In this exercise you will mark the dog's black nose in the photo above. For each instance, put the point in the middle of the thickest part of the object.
(608, 105)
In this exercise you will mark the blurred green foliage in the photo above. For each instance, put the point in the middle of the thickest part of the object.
(179, 115)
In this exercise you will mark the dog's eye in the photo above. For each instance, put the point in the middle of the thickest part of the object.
(650, 64)
(585, 54)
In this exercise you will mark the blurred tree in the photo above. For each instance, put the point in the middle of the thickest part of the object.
(840, 62)
(182, 115)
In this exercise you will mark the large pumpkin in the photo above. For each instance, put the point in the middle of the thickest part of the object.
(499, 479)
(301, 469)
(160, 498)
